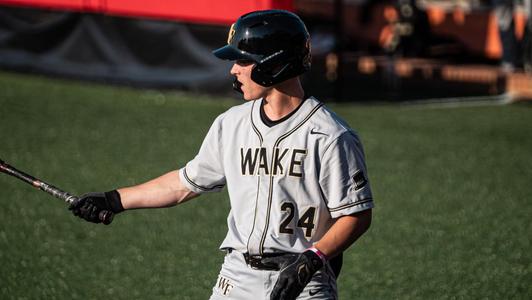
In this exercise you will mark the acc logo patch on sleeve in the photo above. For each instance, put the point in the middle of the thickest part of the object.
(359, 180)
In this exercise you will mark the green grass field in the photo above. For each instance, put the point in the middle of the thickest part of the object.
(453, 190)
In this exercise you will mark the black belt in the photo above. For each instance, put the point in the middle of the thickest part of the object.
(255, 261)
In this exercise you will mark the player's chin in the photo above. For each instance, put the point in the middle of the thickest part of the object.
(253, 91)
(249, 95)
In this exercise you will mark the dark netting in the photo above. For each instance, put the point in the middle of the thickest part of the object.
(140, 52)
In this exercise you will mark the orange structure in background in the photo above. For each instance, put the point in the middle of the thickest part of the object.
(475, 29)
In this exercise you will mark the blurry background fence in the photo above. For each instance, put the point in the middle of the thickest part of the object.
(362, 50)
(140, 52)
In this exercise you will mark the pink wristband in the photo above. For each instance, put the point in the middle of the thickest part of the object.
(318, 253)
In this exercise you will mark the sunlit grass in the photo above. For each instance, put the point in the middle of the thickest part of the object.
(452, 191)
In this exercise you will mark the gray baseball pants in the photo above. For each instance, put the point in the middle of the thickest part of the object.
(238, 281)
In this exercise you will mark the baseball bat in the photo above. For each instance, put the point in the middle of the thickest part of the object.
(105, 216)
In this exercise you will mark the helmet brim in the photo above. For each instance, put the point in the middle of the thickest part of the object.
(229, 52)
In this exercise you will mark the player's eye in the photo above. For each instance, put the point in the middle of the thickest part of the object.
(244, 62)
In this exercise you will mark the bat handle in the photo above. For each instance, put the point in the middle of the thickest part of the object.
(106, 217)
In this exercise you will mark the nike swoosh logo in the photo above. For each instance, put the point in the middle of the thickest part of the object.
(316, 132)
(314, 292)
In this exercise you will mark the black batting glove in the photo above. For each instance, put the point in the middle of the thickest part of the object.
(296, 271)
(89, 206)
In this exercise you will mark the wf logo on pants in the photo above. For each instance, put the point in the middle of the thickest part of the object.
(224, 286)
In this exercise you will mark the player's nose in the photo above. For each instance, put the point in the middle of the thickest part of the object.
(235, 69)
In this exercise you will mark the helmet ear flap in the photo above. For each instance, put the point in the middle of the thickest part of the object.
(276, 68)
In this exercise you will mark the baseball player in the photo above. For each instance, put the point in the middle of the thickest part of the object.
(294, 171)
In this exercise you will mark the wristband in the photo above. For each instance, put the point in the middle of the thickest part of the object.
(319, 254)
(114, 201)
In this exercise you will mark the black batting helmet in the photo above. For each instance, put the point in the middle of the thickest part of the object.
(276, 40)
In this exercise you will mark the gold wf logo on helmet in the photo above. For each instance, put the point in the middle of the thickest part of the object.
(231, 34)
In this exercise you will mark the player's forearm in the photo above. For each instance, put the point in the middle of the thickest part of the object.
(164, 191)
(344, 233)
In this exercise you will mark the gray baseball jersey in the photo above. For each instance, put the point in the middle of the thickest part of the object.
(287, 182)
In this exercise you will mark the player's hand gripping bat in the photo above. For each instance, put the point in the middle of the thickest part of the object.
(105, 216)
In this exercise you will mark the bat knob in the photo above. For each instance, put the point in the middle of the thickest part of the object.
(106, 217)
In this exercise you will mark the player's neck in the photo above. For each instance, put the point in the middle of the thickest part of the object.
(283, 99)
